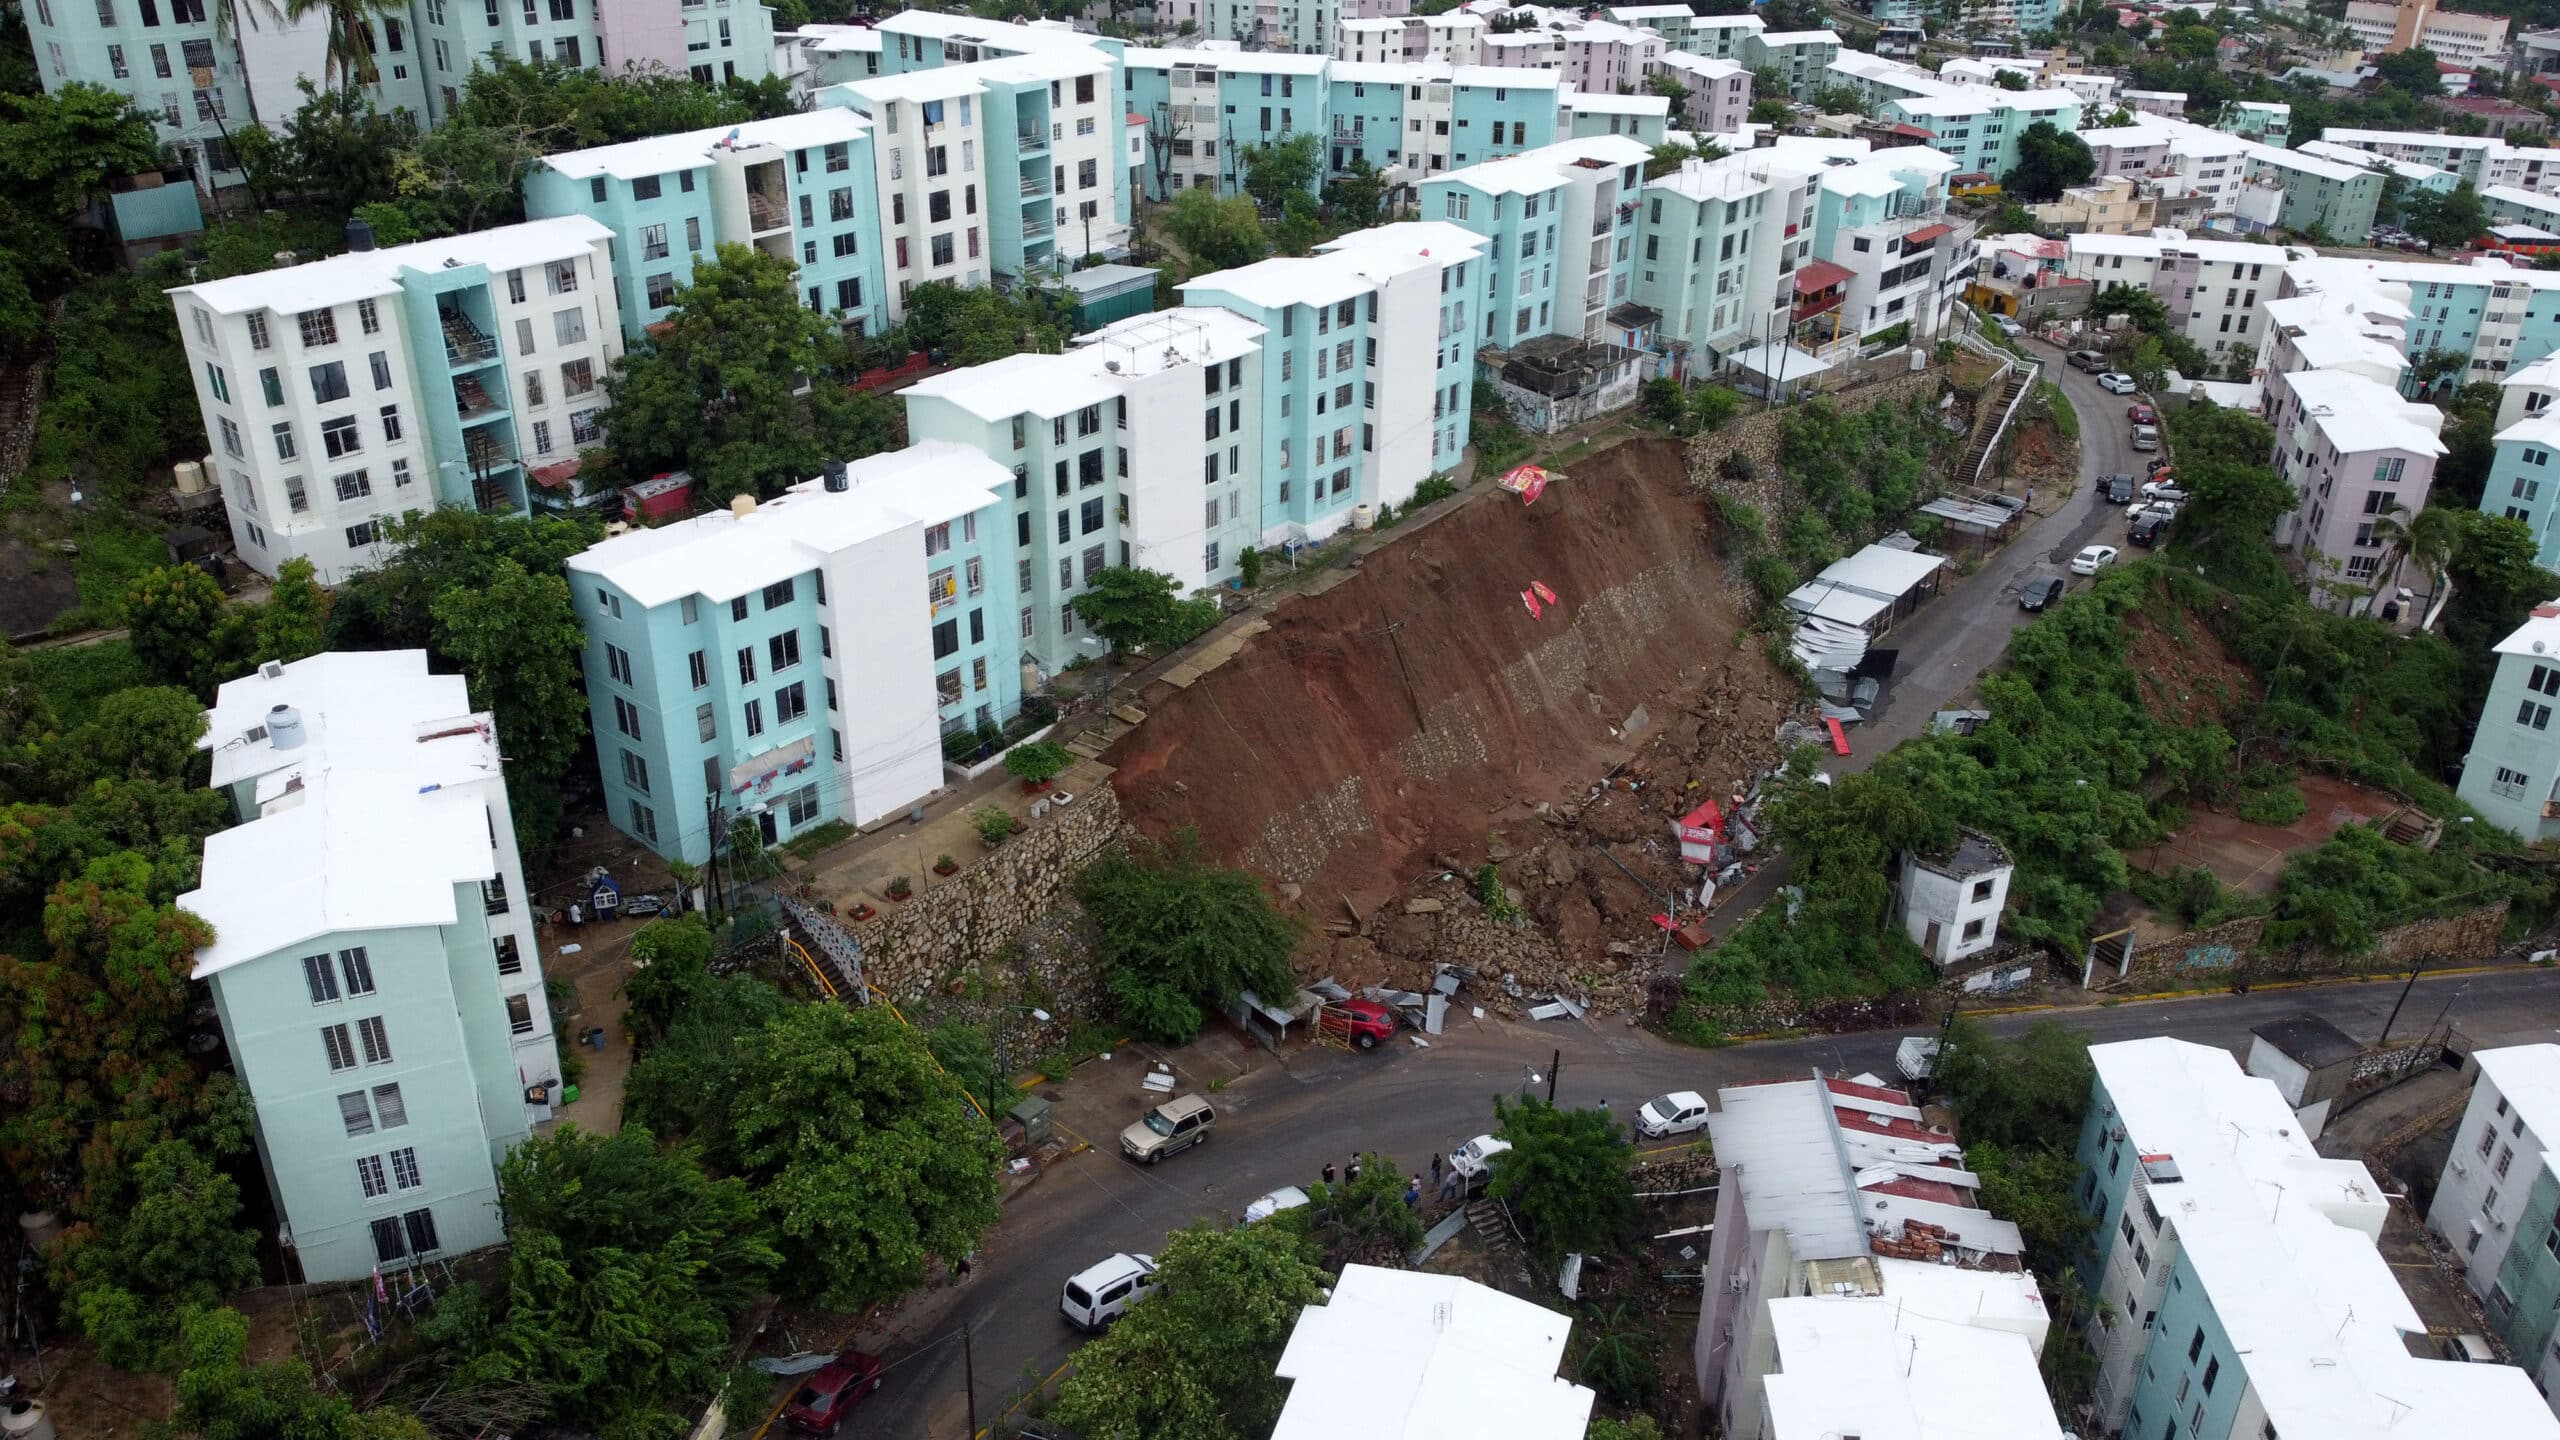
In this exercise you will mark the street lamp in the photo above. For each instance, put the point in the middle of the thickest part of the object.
(1004, 1072)
(1102, 649)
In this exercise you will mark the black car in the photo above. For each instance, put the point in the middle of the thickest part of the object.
(2146, 531)
(2117, 488)
(2040, 592)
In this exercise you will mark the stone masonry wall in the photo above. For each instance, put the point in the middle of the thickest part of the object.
(962, 923)
(1757, 437)
(2472, 935)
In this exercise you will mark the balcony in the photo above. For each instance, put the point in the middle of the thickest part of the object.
(1035, 187)
(491, 497)
(765, 213)
(1031, 142)
(1349, 137)
(471, 398)
(1036, 226)
(464, 342)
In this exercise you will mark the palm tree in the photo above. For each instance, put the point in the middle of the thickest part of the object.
(2427, 537)
(349, 56)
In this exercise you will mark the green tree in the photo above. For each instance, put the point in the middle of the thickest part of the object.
(179, 1245)
(221, 1396)
(1131, 608)
(1772, 111)
(713, 388)
(2008, 80)
(976, 325)
(2034, 1188)
(2049, 161)
(1220, 234)
(171, 615)
(57, 152)
(2409, 72)
(1353, 199)
(688, 1080)
(1840, 100)
(866, 1159)
(1181, 936)
(1363, 1220)
(2448, 220)
(1283, 172)
(1565, 1174)
(2139, 305)
(2020, 1093)
(518, 642)
(1668, 86)
(670, 966)
(1194, 1360)
(1635, 1427)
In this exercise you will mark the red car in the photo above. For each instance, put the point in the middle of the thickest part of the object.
(2141, 415)
(818, 1408)
(1363, 1022)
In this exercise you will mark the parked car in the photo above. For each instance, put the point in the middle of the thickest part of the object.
(2092, 559)
(2141, 414)
(1287, 1197)
(1474, 1160)
(2092, 361)
(1363, 1022)
(1677, 1113)
(2117, 488)
(2469, 1349)
(2116, 382)
(2158, 464)
(2165, 490)
(2146, 531)
(2165, 509)
(1170, 1128)
(1102, 1293)
(2040, 592)
(2007, 326)
(2146, 437)
(818, 1407)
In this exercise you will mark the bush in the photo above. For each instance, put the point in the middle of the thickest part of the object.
(993, 823)
(1038, 762)
(1432, 491)
(1181, 937)
(1249, 565)
(2279, 804)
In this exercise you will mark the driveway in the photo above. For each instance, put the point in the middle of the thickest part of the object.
(1279, 1126)
(1953, 639)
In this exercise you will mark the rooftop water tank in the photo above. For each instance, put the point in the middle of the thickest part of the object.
(189, 476)
(284, 727)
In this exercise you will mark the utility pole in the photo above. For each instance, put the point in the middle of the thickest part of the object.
(711, 864)
(969, 1375)
(2385, 1042)
(1552, 1067)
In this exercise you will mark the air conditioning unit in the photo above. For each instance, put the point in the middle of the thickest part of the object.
(271, 670)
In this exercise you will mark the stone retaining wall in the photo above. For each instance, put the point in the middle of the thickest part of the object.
(1758, 436)
(2233, 944)
(962, 923)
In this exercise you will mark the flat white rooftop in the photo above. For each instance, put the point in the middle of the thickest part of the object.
(372, 274)
(1880, 1368)
(1401, 1355)
(692, 149)
(722, 555)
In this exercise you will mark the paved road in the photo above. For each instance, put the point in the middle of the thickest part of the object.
(1279, 1125)
(1956, 637)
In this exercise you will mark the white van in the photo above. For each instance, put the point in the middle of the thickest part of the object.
(1474, 1160)
(1097, 1296)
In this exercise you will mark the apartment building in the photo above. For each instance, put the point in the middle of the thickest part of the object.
(799, 188)
(1559, 225)
(2246, 1294)
(375, 968)
(202, 82)
(1802, 58)
(1305, 27)
(1639, 117)
(1475, 1360)
(2418, 177)
(2521, 470)
(2386, 27)
(2467, 156)
(343, 393)
(2311, 195)
(2210, 288)
(1719, 99)
(800, 661)
(1721, 242)
(2268, 122)
(2511, 775)
(2501, 316)
(2360, 458)
(1204, 108)
(1719, 36)
(1836, 1194)
(2166, 104)
(929, 39)
(2504, 1218)
(1599, 56)
(2131, 152)
(1881, 216)
(2204, 165)
(1143, 445)
(1978, 125)
(1353, 414)
(1455, 37)
(1004, 167)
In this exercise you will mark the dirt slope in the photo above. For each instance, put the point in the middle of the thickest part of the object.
(1418, 706)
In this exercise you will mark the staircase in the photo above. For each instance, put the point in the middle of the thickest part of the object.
(841, 952)
(2001, 402)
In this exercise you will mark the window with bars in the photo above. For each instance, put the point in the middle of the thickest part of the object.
(377, 1043)
(323, 983)
(342, 1052)
(370, 1175)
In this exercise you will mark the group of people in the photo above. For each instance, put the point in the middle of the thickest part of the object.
(1443, 1177)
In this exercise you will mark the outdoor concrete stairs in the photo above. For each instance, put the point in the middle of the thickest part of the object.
(1986, 426)
(834, 945)
(1486, 1221)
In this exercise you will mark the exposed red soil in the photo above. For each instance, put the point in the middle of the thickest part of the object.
(1392, 724)
(2188, 679)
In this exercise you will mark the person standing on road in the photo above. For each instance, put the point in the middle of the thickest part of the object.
(1435, 1169)
(1351, 1172)
(1328, 1173)
(1448, 1183)
(1412, 1191)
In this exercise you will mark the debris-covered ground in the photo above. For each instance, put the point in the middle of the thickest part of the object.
(1419, 720)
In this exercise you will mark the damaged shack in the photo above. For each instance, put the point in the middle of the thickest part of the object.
(1554, 381)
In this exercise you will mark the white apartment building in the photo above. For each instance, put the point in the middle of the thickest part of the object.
(2211, 288)
(1305, 27)
(995, 166)
(1454, 37)
(343, 393)
(1721, 36)
(2484, 1196)
(1950, 903)
(2457, 38)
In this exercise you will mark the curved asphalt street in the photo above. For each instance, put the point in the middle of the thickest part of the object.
(1282, 1123)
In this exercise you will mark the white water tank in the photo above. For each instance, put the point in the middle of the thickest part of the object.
(742, 506)
(23, 1419)
(189, 476)
(1362, 517)
(39, 1228)
(284, 727)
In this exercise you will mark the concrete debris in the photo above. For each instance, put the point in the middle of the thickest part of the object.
(1422, 907)
(1552, 1010)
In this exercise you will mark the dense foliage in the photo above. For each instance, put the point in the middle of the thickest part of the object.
(1182, 937)
(1565, 1175)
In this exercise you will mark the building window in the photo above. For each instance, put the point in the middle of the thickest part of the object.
(404, 1164)
(626, 717)
(319, 327)
(377, 1044)
(369, 1175)
(778, 595)
(519, 1015)
(355, 1113)
(358, 968)
(635, 772)
(510, 957)
(342, 1050)
(790, 702)
(755, 718)
(644, 822)
(323, 983)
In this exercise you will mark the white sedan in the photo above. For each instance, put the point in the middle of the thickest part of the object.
(2093, 559)
(1678, 1113)
(2116, 382)
(1287, 1197)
